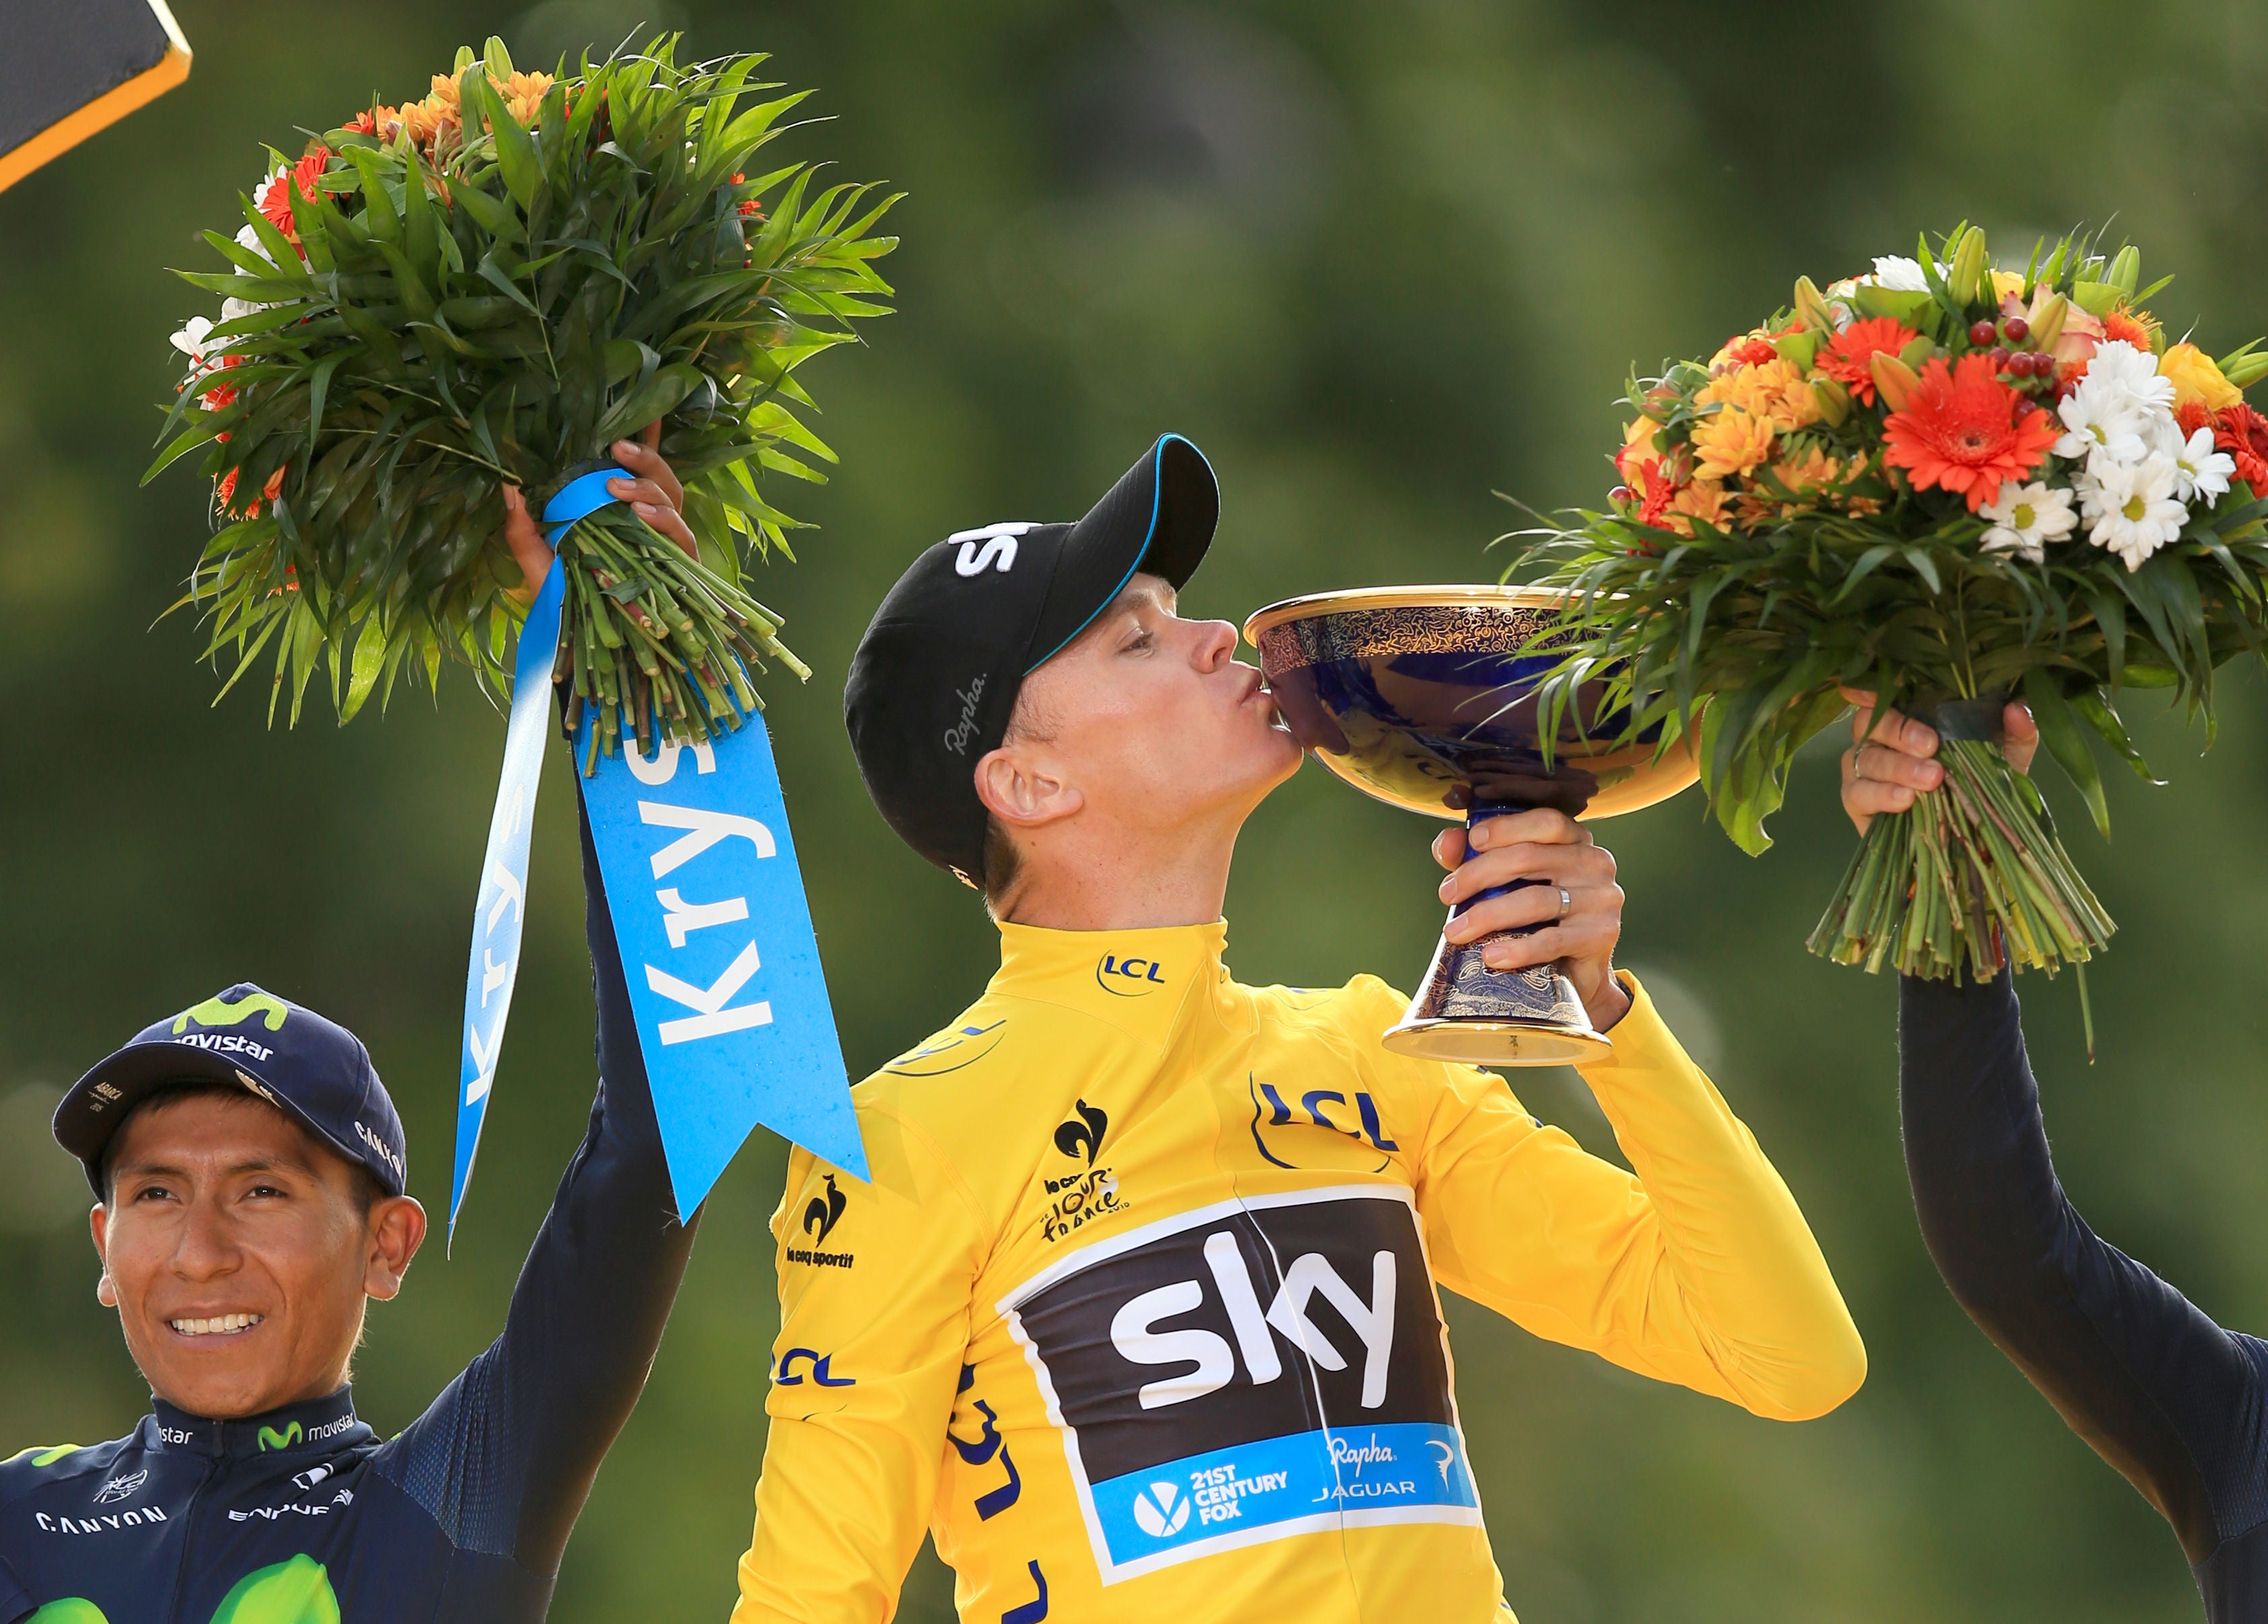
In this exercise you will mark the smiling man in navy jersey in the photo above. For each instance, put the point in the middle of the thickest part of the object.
(252, 1176)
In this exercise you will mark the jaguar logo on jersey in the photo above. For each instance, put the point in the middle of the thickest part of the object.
(820, 1215)
(1128, 978)
(1248, 1371)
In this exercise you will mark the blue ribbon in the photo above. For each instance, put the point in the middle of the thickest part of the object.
(725, 983)
(725, 976)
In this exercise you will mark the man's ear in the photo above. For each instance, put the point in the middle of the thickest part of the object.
(104, 1292)
(397, 1228)
(1023, 785)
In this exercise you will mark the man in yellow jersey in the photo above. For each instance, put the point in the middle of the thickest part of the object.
(1137, 1314)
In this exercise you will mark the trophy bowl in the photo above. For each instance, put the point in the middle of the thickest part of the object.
(1425, 697)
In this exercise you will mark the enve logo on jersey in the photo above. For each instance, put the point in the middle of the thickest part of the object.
(1276, 1363)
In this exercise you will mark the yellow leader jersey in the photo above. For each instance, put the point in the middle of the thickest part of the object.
(1137, 1316)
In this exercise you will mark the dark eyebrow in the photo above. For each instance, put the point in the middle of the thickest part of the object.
(259, 1165)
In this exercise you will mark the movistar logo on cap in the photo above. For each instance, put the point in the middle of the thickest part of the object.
(214, 1012)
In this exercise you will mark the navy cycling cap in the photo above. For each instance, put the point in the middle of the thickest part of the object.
(934, 679)
(313, 1071)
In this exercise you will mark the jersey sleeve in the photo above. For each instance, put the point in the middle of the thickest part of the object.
(15, 1600)
(1699, 1270)
(875, 1284)
(506, 1457)
(2164, 1394)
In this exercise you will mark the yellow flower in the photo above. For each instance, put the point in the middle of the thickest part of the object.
(1805, 474)
(2196, 380)
(1701, 499)
(1731, 440)
(523, 93)
(1773, 390)
(2006, 284)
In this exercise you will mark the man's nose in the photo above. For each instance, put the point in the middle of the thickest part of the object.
(206, 1247)
(1216, 643)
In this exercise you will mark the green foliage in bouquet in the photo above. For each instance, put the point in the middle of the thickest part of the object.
(1939, 482)
(490, 286)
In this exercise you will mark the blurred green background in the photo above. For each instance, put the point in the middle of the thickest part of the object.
(1379, 260)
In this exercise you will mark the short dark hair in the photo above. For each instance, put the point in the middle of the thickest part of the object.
(367, 1190)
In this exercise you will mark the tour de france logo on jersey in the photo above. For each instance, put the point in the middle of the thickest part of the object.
(1087, 1191)
(1248, 1371)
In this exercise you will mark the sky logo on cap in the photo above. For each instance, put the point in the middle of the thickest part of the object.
(998, 551)
(214, 1012)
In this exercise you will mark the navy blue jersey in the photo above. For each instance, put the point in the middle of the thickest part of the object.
(2174, 1402)
(304, 1517)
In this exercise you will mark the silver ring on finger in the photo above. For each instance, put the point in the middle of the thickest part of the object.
(1567, 903)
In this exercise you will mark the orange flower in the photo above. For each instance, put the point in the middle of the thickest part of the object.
(1732, 440)
(1964, 430)
(1748, 349)
(2129, 326)
(308, 173)
(2243, 434)
(1849, 359)
(1701, 499)
(380, 121)
(750, 207)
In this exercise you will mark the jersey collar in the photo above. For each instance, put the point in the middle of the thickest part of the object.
(319, 1426)
(1137, 981)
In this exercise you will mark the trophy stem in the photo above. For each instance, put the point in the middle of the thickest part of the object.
(1466, 1011)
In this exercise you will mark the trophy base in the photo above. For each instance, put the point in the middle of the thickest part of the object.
(1469, 1013)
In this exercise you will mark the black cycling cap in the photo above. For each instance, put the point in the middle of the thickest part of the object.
(934, 679)
(313, 1071)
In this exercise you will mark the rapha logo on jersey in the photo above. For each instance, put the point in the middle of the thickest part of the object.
(123, 1487)
(957, 735)
(1082, 1134)
(1129, 978)
(993, 546)
(821, 1213)
(1248, 1371)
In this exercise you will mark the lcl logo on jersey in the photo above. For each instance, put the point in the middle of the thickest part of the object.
(1129, 978)
(1248, 1371)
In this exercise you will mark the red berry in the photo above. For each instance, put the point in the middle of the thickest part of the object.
(2025, 364)
(2002, 361)
(1619, 494)
(2017, 329)
(1982, 333)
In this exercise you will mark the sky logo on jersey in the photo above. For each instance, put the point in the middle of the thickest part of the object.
(1248, 1371)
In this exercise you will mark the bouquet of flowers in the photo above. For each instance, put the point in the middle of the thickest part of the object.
(1946, 483)
(488, 287)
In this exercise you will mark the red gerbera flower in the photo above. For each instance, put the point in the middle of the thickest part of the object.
(2243, 434)
(275, 202)
(1964, 430)
(1849, 359)
(1755, 352)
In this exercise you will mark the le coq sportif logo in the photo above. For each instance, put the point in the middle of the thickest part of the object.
(1082, 1134)
(821, 1213)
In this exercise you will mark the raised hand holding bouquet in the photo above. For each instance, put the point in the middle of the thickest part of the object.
(1945, 484)
(480, 293)
(488, 288)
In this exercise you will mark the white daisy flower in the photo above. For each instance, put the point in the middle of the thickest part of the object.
(2099, 422)
(2130, 507)
(1900, 274)
(2201, 469)
(2132, 372)
(2025, 516)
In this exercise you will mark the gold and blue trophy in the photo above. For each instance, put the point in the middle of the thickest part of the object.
(1425, 697)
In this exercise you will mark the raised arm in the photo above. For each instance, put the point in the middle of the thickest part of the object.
(506, 1456)
(2153, 1385)
(1700, 1270)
